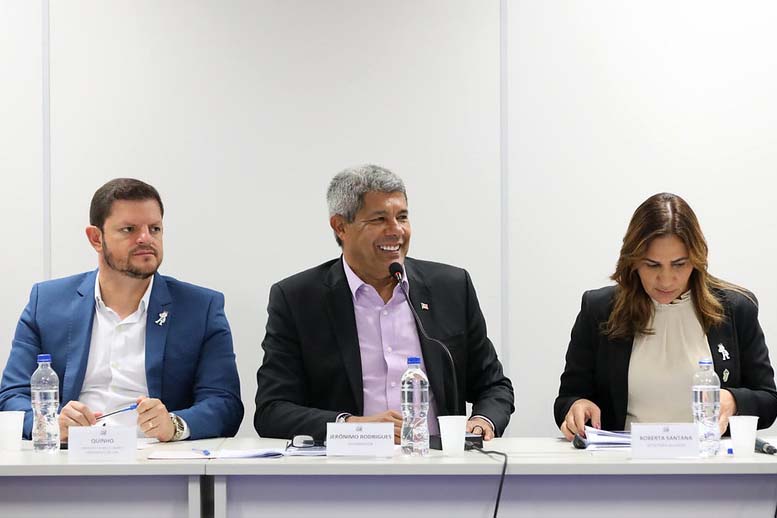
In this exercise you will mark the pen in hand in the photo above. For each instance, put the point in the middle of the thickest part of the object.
(133, 406)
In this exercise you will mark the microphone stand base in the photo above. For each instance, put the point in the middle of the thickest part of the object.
(470, 440)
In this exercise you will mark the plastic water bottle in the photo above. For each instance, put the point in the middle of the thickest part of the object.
(706, 407)
(44, 386)
(415, 407)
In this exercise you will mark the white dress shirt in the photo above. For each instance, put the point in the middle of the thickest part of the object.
(116, 369)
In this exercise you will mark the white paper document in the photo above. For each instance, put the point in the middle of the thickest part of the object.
(310, 451)
(196, 453)
(606, 440)
(146, 442)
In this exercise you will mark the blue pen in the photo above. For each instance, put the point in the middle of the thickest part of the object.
(204, 452)
(133, 406)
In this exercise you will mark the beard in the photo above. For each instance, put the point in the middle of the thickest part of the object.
(126, 267)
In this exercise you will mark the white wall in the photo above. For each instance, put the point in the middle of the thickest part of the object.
(21, 177)
(240, 112)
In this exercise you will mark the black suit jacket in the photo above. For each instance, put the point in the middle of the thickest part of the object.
(598, 368)
(311, 370)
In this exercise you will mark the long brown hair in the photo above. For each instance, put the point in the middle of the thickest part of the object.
(660, 215)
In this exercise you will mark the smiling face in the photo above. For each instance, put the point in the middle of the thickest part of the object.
(378, 236)
(666, 269)
(130, 242)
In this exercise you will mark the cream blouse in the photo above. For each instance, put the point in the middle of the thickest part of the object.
(662, 365)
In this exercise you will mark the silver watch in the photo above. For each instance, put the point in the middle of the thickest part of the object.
(179, 427)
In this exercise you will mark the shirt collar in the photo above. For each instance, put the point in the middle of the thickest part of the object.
(98, 298)
(355, 282)
(685, 298)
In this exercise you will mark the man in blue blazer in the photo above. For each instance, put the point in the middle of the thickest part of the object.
(124, 334)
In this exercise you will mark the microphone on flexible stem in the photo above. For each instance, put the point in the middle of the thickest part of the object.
(398, 273)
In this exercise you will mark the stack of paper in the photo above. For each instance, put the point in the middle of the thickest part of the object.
(603, 439)
(309, 451)
(196, 453)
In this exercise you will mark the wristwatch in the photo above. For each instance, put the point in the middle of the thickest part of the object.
(179, 427)
(342, 417)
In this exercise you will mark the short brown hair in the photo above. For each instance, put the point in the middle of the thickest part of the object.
(120, 189)
(662, 214)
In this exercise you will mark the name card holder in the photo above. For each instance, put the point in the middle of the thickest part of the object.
(102, 443)
(664, 440)
(360, 439)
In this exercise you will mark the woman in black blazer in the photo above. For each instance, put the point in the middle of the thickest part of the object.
(663, 262)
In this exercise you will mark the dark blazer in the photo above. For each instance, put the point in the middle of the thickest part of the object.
(190, 364)
(311, 370)
(598, 368)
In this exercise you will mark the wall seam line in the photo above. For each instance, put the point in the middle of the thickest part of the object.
(504, 184)
(46, 134)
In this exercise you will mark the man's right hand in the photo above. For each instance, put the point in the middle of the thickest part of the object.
(580, 412)
(389, 416)
(75, 414)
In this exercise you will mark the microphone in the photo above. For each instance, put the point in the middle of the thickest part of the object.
(396, 271)
(762, 446)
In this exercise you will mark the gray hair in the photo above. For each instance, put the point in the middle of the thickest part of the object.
(345, 195)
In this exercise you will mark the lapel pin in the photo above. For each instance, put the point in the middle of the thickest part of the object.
(723, 352)
(725, 376)
(162, 318)
(424, 306)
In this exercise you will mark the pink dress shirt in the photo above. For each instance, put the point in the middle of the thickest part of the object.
(387, 337)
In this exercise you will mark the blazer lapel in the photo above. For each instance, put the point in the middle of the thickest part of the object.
(158, 315)
(341, 314)
(620, 355)
(79, 338)
(435, 359)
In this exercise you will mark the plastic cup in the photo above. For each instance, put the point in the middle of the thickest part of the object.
(743, 428)
(11, 424)
(453, 429)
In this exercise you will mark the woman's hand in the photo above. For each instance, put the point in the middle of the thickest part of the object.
(728, 407)
(579, 413)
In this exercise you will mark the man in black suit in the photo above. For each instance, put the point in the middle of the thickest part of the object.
(338, 335)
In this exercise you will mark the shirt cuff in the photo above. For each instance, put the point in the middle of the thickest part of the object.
(186, 432)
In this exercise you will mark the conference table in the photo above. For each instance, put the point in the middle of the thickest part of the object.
(545, 477)
(36, 485)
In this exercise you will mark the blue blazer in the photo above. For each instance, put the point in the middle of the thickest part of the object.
(190, 364)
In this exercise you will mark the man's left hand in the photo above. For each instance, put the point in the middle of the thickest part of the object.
(154, 419)
(480, 426)
(728, 407)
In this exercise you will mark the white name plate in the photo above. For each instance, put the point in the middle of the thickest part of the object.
(360, 439)
(102, 443)
(664, 440)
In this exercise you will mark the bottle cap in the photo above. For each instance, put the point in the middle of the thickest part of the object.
(44, 358)
(413, 360)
